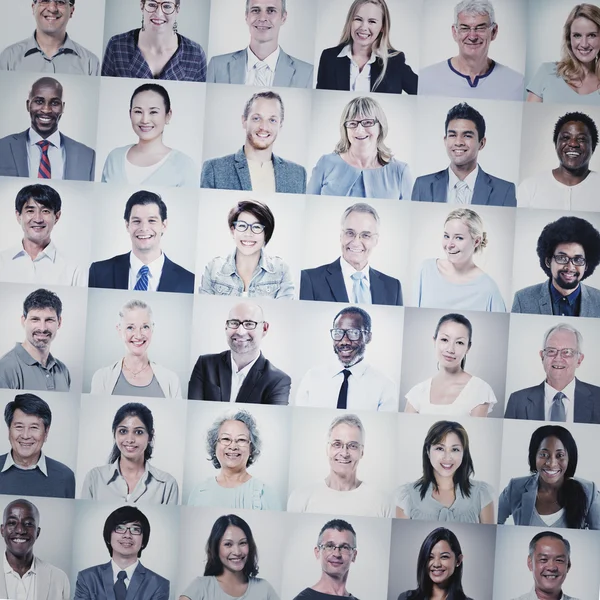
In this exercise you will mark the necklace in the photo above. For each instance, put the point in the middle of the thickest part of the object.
(135, 373)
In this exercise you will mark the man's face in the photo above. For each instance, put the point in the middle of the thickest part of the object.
(45, 107)
(242, 340)
(462, 143)
(20, 529)
(359, 235)
(145, 227)
(41, 325)
(27, 435)
(549, 565)
(336, 562)
(350, 351)
(567, 277)
(560, 371)
(574, 146)
(474, 43)
(263, 123)
(345, 450)
(37, 222)
(52, 19)
(264, 19)
(126, 545)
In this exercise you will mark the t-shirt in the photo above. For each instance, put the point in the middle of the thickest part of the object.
(208, 588)
(310, 594)
(549, 86)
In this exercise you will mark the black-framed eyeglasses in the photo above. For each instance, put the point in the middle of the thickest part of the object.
(344, 549)
(337, 335)
(563, 259)
(354, 123)
(254, 227)
(168, 8)
(133, 529)
(61, 3)
(246, 324)
(564, 352)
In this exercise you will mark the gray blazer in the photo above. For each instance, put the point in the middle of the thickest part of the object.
(519, 496)
(231, 68)
(489, 190)
(536, 300)
(231, 173)
(80, 160)
(52, 583)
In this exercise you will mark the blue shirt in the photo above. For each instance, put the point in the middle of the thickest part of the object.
(565, 306)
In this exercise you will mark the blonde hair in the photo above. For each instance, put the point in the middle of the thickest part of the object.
(365, 107)
(473, 221)
(134, 305)
(569, 67)
(382, 46)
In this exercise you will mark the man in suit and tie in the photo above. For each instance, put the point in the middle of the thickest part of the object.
(350, 278)
(255, 167)
(42, 151)
(126, 534)
(146, 267)
(561, 397)
(242, 373)
(263, 62)
(569, 251)
(464, 181)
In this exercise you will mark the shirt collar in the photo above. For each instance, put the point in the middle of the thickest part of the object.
(155, 267)
(29, 360)
(68, 46)
(246, 369)
(41, 463)
(348, 270)
(569, 391)
(571, 298)
(8, 569)
(49, 251)
(346, 51)
(469, 179)
(35, 137)
(129, 570)
(271, 60)
(149, 471)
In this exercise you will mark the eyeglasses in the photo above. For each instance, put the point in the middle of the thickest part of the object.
(254, 227)
(168, 8)
(133, 529)
(365, 123)
(477, 29)
(247, 324)
(225, 440)
(352, 446)
(60, 3)
(563, 259)
(363, 235)
(564, 352)
(353, 334)
(344, 549)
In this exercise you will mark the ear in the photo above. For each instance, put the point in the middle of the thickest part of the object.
(459, 560)
(164, 225)
(529, 563)
(354, 555)
(482, 142)
(59, 322)
(265, 328)
(57, 216)
(542, 355)
(18, 216)
(494, 31)
(368, 337)
(46, 434)
(283, 17)
(23, 321)
(580, 359)
(37, 533)
(317, 552)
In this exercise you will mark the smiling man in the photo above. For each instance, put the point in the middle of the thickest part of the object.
(146, 267)
(571, 185)
(263, 63)
(350, 278)
(561, 397)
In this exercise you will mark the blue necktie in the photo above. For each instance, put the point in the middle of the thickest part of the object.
(557, 410)
(359, 288)
(142, 281)
(120, 587)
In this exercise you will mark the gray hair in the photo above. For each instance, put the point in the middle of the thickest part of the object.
(551, 534)
(283, 9)
(361, 207)
(213, 435)
(133, 305)
(565, 327)
(348, 419)
(475, 7)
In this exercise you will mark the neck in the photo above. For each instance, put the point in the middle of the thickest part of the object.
(243, 360)
(263, 49)
(340, 483)
(449, 372)
(134, 362)
(558, 386)
(40, 355)
(438, 593)
(246, 263)
(570, 177)
(44, 134)
(549, 488)
(364, 52)
(235, 476)
(150, 146)
(158, 41)
(357, 266)
(462, 268)
(234, 577)
(364, 159)
(562, 291)
(132, 466)
(463, 171)
(20, 564)
(542, 595)
(50, 44)
(34, 248)
(147, 257)
(472, 66)
(349, 365)
(25, 462)
(335, 586)
(444, 483)
(123, 561)
(259, 155)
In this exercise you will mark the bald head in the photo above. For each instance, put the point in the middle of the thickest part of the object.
(45, 106)
(46, 82)
(245, 329)
(247, 310)
(22, 503)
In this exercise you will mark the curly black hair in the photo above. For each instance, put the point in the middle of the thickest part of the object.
(577, 117)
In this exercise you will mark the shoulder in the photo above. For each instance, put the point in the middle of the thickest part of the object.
(331, 53)
(506, 72)
(273, 370)
(588, 486)
(223, 59)
(229, 159)
(431, 176)
(110, 262)
(482, 488)
(121, 39)
(56, 572)
(161, 476)
(434, 69)
(388, 279)
(591, 291)
(480, 387)
(16, 48)
(58, 468)
(191, 45)
(590, 386)
(298, 64)
(177, 268)
(182, 158)
(421, 388)
(396, 165)
(322, 269)
(546, 69)
(75, 145)
(96, 570)
(288, 164)
(496, 181)
(117, 153)
(518, 484)
(532, 290)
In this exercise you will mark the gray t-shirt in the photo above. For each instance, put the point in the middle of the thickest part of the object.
(208, 588)
(124, 388)
(550, 87)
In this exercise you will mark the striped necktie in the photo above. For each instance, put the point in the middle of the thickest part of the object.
(44, 170)
(142, 279)
(462, 191)
(261, 74)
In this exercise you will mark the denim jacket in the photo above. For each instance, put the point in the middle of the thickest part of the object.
(271, 279)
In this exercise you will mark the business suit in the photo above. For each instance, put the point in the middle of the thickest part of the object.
(80, 161)
(231, 68)
(326, 283)
(489, 190)
(334, 73)
(536, 300)
(529, 403)
(51, 582)
(264, 384)
(231, 173)
(114, 274)
(97, 583)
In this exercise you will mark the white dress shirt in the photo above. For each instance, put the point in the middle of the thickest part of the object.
(453, 180)
(251, 62)
(347, 271)
(360, 81)
(569, 392)
(17, 587)
(56, 154)
(155, 267)
(129, 570)
(238, 377)
(41, 463)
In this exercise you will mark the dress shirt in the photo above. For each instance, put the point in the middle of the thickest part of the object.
(49, 267)
(237, 377)
(56, 154)
(129, 570)
(155, 271)
(550, 392)
(453, 180)
(347, 271)
(360, 81)
(17, 587)
(252, 59)
(41, 463)
(565, 306)
(262, 176)
(531, 595)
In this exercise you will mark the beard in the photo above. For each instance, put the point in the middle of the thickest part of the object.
(566, 285)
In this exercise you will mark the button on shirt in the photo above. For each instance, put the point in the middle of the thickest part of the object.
(347, 271)
(56, 154)
(17, 587)
(129, 570)
(565, 306)
(550, 392)
(155, 267)
(252, 60)
(41, 464)
(453, 180)
(238, 377)
(360, 81)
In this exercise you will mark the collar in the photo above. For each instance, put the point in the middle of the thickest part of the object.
(41, 463)
(34, 137)
(271, 60)
(243, 371)
(357, 370)
(346, 52)
(155, 267)
(149, 471)
(8, 569)
(469, 179)
(264, 262)
(569, 391)
(68, 46)
(129, 570)
(49, 251)
(571, 298)
(348, 270)
(29, 360)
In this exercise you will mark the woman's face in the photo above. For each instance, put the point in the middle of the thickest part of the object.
(364, 139)
(247, 242)
(366, 26)
(233, 449)
(451, 344)
(458, 244)
(552, 460)
(132, 438)
(442, 563)
(447, 455)
(585, 40)
(135, 330)
(148, 115)
(233, 549)
(158, 21)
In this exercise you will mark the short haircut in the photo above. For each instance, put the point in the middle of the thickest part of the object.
(156, 88)
(32, 507)
(355, 310)
(338, 525)
(144, 414)
(551, 534)
(41, 299)
(564, 327)
(283, 9)
(361, 207)
(257, 209)
(569, 230)
(47, 81)
(30, 404)
(475, 7)
(577, 117)
(143, 198)
(468, 113)
(135, 304)
(42, 194)
(126, 514)
(462, 320)
(347, 419)
(268, 95)
(213, 435)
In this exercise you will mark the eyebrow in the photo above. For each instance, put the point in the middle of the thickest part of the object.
(453, 130)
(151, 107)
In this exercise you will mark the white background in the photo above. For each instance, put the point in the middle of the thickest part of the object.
(97, 439)
(486, 359)
(271, 466)
(183, 133)
(171, 314)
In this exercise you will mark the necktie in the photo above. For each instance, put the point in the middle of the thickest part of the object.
(44, 171)
(557, 411)
(142, 281)
(462, 191)
(119, 587)
(343, 395)
(359, 288)
(261, 74)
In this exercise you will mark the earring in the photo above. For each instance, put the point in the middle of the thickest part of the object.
(175, 27)
(143, 28)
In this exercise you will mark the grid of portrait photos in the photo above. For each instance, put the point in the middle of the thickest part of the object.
(299, 299)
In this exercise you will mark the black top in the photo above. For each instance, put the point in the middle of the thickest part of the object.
(310, 594)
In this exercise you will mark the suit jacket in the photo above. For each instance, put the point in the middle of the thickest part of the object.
(264, 384)
(52, 583)
(80, 161)
(114, 274)
(326, 283)
(231, 68)
(488, 190)
(231, 173)
(536, 300)
(97, 583)
(334, 73)
(529, 403)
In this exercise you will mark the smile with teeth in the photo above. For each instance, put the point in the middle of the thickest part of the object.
(552, 472)
(18, 540)
(247, 243)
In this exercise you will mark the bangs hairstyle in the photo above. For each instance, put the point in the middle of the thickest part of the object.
(461, 320)
(30, 404)
(436, 434)
(468, 113)
(121, 516)
(257, 209)
(474, 223)
(569, 67)
(367, 108)
(212, 436)
(143, 198)
(214, 566)
(144, 414)
(577, 117)
(152, 87)
(42, 194)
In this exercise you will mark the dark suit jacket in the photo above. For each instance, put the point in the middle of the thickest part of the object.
(334, 73)
(264, 384)
(488, 190)
(96, 583)
(529, 403)
(80, 161)
(326, 283)
(114, 274)
(536, 300)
